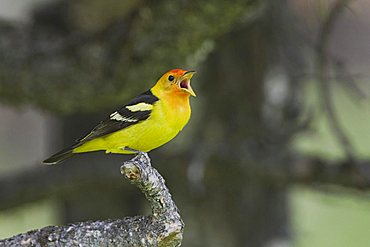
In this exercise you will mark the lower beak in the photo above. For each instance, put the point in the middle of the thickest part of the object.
(184, 82)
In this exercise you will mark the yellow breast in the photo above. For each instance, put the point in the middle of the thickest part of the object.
(165, 122)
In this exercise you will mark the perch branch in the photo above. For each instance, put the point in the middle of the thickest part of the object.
(163, 228)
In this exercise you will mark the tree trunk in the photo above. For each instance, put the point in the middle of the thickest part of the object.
(240, 208)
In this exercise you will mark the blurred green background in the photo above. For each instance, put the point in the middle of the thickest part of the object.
(318, 216)
(258, 165)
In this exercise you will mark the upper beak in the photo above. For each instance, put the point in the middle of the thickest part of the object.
(184, 82)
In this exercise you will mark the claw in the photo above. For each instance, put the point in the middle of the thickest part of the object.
(131, 150)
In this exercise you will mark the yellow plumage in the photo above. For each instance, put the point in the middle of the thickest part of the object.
(166, 120)
(147, 122)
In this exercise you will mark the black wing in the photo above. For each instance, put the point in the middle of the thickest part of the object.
(125, 116)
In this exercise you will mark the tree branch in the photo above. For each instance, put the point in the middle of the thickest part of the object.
(309, 170)
(57, 60)
(38, 182)
(322, 68)
(163, 228)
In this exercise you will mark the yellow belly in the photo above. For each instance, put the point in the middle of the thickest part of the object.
(161, 127)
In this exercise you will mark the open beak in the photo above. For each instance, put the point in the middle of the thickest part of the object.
(184, 82)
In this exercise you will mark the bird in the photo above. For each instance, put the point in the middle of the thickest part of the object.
(148, 121)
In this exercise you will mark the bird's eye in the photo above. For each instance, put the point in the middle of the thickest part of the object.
(171, 78)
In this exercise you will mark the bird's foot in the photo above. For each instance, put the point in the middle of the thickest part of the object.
(131, 150)
(139, 154)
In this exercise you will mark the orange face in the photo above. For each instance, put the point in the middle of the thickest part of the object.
(177, 81)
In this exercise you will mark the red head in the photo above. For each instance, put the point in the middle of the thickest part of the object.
(176, 81)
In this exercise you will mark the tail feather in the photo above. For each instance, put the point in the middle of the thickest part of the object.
(60, 156)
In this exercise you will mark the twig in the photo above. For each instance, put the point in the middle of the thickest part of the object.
(323, 80)
(163, 228)
(347, 79)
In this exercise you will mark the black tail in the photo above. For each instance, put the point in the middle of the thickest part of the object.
(61, 156)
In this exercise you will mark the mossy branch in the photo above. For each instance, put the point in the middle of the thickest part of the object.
(163, 228)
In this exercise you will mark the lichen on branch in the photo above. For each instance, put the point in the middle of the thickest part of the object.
(163, 228)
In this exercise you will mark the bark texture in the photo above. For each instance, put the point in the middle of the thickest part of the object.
(163, 228)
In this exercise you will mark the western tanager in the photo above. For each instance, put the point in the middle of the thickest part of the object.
(148, 121)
